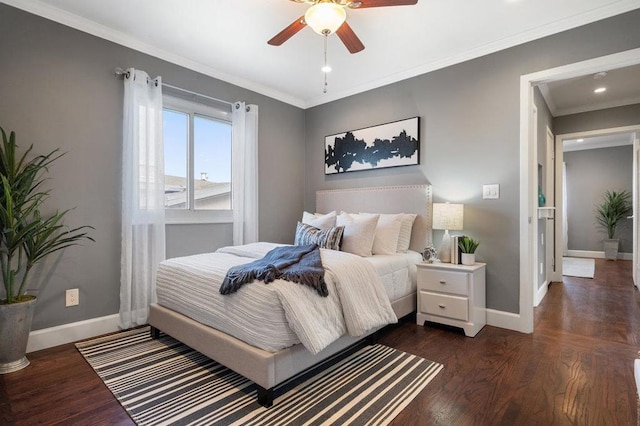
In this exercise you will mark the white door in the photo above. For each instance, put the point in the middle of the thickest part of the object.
(559, 227)
(551, 202)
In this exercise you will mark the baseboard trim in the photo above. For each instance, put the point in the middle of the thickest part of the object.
(596, 254)
(67, 333)
(502, 319)
(542, 291)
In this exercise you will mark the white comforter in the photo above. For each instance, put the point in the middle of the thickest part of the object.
(357, 301)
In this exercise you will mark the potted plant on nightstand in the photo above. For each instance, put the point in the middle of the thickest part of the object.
(614, 208)
(27, 237)
(468, 248)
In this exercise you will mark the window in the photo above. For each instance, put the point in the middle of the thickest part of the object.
(197, 162)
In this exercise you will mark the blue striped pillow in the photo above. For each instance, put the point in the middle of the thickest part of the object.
(329, 238)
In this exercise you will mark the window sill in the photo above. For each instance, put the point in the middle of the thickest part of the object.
(185, 217)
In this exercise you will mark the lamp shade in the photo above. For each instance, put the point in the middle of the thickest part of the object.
(448, 216)
(325, 18)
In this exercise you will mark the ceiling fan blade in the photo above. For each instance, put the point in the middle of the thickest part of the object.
(349, 38)
(288, 32)
(382, 3)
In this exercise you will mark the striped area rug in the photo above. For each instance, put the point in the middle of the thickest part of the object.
(161, 382)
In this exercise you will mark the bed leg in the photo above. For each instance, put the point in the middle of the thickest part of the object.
(265, 396)
(155, 333)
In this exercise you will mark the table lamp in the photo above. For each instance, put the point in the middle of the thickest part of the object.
(449, 217)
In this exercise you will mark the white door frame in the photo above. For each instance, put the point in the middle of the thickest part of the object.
(551, 176)
(529, 168)
(636, 207)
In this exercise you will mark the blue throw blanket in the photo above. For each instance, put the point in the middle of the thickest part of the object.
(299, 264)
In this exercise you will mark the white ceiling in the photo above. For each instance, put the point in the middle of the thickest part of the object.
(575, 95)
(227, 39)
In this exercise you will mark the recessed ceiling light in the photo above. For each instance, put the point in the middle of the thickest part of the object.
(600, 90)
(326, 68)
(579, 140)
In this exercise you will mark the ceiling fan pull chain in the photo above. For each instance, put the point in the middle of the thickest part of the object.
(325, 68)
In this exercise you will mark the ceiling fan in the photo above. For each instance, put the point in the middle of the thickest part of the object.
(328, 16)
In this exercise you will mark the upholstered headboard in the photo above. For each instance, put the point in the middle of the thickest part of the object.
(385, 199)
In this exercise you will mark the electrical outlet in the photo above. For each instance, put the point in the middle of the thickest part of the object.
(72, 297)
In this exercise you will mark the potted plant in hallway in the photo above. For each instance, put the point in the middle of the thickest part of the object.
(27, 237)
(614, 208)
(468, 248)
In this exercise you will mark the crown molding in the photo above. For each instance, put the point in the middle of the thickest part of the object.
(39, 8)
(596, 106)
(36, 7)
(575, 21)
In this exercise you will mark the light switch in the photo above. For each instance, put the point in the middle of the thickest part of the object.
(491, 192)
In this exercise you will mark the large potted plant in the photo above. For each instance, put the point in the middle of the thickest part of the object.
(27, 237)
(615, 207)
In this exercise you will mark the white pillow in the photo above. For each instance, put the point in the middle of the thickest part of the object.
(359, 232)
(387, 233)
(321, 221)
(404, 239)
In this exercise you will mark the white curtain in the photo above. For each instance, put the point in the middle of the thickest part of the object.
(245, 173)
(143, 232)
(565, 220)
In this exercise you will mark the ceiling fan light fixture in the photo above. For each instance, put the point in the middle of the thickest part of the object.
(325, 17)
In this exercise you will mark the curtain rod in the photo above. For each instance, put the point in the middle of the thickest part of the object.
(120, 72)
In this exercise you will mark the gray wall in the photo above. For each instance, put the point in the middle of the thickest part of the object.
(188, 239)
(601, 119)
(470, 122)
(590, 173)
(58, 90)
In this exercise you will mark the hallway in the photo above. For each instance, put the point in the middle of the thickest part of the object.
(606, 307)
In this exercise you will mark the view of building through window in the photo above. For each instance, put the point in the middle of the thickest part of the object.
(210, 150)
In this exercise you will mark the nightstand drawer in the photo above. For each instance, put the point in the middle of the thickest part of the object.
(443, 281)
(445, 306)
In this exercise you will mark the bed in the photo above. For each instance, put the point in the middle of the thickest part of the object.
(270, 366)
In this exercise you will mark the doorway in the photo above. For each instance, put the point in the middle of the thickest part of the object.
(588, 164)
(529, 255)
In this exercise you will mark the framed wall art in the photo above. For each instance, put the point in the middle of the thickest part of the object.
(386, 145)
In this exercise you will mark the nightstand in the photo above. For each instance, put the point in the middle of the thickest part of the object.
(453, 295)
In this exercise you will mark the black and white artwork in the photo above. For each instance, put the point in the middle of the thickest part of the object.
(387, 145)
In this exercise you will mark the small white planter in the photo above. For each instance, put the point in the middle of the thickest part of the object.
(468, 258)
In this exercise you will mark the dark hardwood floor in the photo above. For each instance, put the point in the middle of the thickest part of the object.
(575, 369)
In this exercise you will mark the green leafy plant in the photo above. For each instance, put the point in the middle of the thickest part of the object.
(468, 244)
(27, 236)
(615, 207)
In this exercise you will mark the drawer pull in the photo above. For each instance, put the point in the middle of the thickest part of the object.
(443, 282)
(442, 306)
